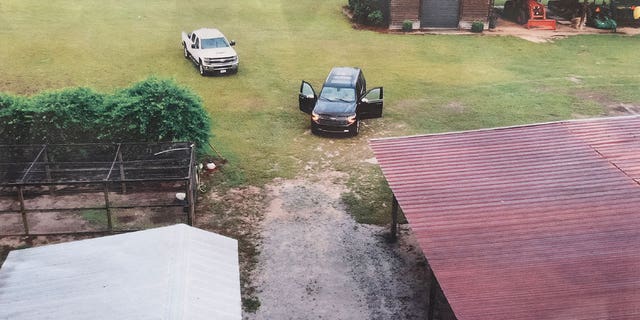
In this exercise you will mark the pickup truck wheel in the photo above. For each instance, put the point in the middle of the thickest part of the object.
(201, 68)
(186, 53)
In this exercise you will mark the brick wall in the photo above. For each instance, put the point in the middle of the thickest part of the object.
(401, 10)
(474, 10)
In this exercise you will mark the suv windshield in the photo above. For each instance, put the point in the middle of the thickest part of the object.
(338, 94)
(214, 43)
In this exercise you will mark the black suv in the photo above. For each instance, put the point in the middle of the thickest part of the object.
(343, 102)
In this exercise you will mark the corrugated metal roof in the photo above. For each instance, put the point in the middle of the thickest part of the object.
(175, 272)
(528, 222)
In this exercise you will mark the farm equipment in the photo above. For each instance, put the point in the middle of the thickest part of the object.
(529, 13)
(565, 9)
(626, 12)
(600, 17)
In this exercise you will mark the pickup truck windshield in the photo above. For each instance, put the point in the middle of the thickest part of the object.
(212, 43)
(338, 94)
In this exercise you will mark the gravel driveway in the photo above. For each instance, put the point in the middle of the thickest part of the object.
(316, 262)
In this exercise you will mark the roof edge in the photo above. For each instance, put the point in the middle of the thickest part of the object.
(507, 127)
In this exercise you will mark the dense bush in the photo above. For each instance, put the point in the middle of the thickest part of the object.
(369, 12)
(376, 18)
(477, 26)
(157, 110)
(70, 115)
(15, 119)
(149, 111)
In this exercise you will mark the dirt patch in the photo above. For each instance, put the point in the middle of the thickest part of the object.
(623, 109)
(236, 213)
(75, 208)
(454, 107)
(610, 106)
(316, 262)
(563, 30)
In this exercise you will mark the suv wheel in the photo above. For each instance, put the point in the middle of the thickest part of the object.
(186, 53)
(356, 129)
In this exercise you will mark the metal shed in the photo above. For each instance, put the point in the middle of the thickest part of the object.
(174, 272)
(529, 222)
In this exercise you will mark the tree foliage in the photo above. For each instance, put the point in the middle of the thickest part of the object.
(148, 111)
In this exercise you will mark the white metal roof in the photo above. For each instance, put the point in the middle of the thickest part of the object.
(175, 272)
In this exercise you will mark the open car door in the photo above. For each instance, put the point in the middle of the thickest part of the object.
(307, 97)
(371, 105)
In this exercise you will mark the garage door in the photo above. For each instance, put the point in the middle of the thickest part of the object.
(439, 13)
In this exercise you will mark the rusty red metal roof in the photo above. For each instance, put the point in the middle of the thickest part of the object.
(530, 222)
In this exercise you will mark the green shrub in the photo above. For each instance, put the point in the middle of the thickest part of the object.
(251, 304)
(368, 12)
(376, 18)
(477, 26)
(407, 25)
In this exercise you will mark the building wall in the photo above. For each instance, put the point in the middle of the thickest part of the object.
(470, 10)
(475, 10)
(401, 10)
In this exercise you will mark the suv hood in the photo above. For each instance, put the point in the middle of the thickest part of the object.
(218, 52)
(334, 107)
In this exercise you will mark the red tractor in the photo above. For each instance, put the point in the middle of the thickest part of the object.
(530, 13)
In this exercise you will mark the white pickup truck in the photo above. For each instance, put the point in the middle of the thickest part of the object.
(210, 50)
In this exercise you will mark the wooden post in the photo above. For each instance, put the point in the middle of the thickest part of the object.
(47, 170)
(394, 219)
(122, 177)
(106, 206)
(191, 218)
(25, 223)
(191, 188)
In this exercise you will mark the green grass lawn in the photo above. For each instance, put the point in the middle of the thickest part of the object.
(432, 83)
